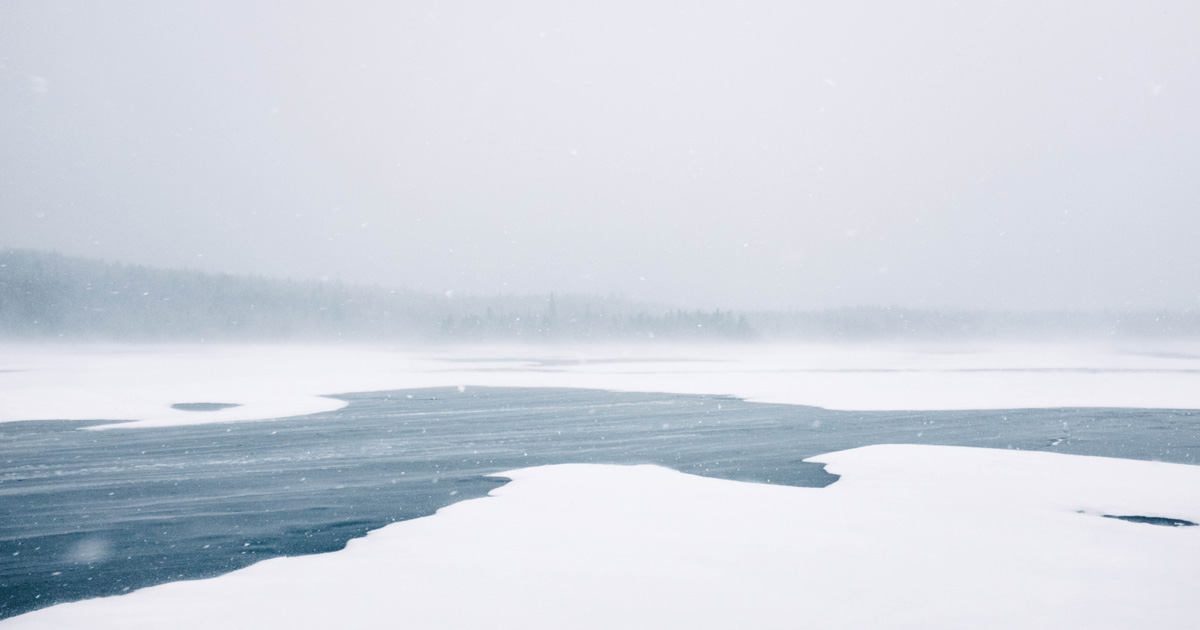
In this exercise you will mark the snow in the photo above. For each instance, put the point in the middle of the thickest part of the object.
(909, 537)
(142, 382)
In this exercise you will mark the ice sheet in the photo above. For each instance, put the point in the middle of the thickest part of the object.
(142, 382)
(910, 537)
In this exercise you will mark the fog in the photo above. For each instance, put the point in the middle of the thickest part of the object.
(748, 155)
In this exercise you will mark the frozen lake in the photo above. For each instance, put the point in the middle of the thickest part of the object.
(93, 513)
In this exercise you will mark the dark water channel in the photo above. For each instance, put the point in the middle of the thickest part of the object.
(92, 513)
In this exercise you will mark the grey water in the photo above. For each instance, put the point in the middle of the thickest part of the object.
(93, 513)
(1153, 520)
(203, 406)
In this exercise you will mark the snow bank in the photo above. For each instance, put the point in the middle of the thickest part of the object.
(142, 382)
(910, 537)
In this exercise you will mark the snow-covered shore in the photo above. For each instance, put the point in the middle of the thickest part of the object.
(910, 537)
(142, 382)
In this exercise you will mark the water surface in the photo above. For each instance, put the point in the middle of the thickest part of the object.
(91, 513)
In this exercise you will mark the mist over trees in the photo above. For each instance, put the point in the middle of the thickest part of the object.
(50, 296)
(876, 323)
(46, 295)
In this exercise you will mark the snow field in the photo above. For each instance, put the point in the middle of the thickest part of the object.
(909, 537)
(142, 382)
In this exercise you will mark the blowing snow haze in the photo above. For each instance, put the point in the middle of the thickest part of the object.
(757, 155)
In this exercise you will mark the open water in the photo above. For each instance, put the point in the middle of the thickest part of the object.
(93, 513)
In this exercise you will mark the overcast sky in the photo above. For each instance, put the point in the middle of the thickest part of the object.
(1014, 155)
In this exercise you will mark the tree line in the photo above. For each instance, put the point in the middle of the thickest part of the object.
(45, 295)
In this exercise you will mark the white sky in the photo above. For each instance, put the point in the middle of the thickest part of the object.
(740, 154)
